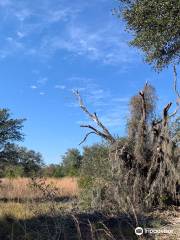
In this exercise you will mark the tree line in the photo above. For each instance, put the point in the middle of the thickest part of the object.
(18, 161)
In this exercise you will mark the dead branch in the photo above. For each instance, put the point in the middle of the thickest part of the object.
(85, 138)
(167, 116)
(141, 93)
(175, 83)
(104, 133)
(165, 113)
(82, 106)
(97, 132)
(176, 93)
(102, 126)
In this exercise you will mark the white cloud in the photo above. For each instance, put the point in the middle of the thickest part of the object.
(95, 95)
(37, 34)
(9, 39)
(62, 14)
(55, 16)
(104, 45)
(114, 117)
(21, 34)
(42, 93)
(33, 87)
(80, 89)
(10, 46)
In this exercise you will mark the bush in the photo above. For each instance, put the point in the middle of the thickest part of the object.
(72, 162)
(59, 172)
(94, 175)
(53, 170)
(13, 171)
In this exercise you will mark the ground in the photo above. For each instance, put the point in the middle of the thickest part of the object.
(29, 212)
(173, 223)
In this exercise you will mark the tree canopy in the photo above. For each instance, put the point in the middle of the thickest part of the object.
(17, 160)
(10, 129)
(155, 26)
(72, 161)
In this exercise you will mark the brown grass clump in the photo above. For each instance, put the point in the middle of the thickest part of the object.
(22, 189)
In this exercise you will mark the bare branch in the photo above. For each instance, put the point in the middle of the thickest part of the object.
(167, 107)
(174, 113)
(87, 135)
(175, 84)
(104, 133)
(102, 126)
(141, 93)
(101, 134)
(177, 94)
(165, 113)
(82, 106)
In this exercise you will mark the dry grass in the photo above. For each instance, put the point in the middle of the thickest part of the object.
(23, 188)
(33, 216)
(20, 199)
(23, 211)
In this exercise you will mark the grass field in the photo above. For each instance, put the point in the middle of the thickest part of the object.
(45, 209)
(26, 204)
(24, 198)
(25, 189)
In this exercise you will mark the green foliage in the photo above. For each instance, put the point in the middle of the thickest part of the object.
(155, 26)
(59, 172)
(95, 161)
(13, 171)
(14, 156)
(85, 182)
(53, 170)
(94, 174)
(14, 160)
(86, 186)
(70, 165)
(72, 162)
(30, 160)
(10, 129)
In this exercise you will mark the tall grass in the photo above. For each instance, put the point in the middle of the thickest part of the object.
(23, 189)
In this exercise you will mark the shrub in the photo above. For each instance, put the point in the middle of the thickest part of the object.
(13, 171)
(94, 175)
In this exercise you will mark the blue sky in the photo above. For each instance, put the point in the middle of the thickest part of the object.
(48, 48)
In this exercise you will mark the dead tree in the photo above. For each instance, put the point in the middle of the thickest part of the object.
(162, 176)
(146, 175)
